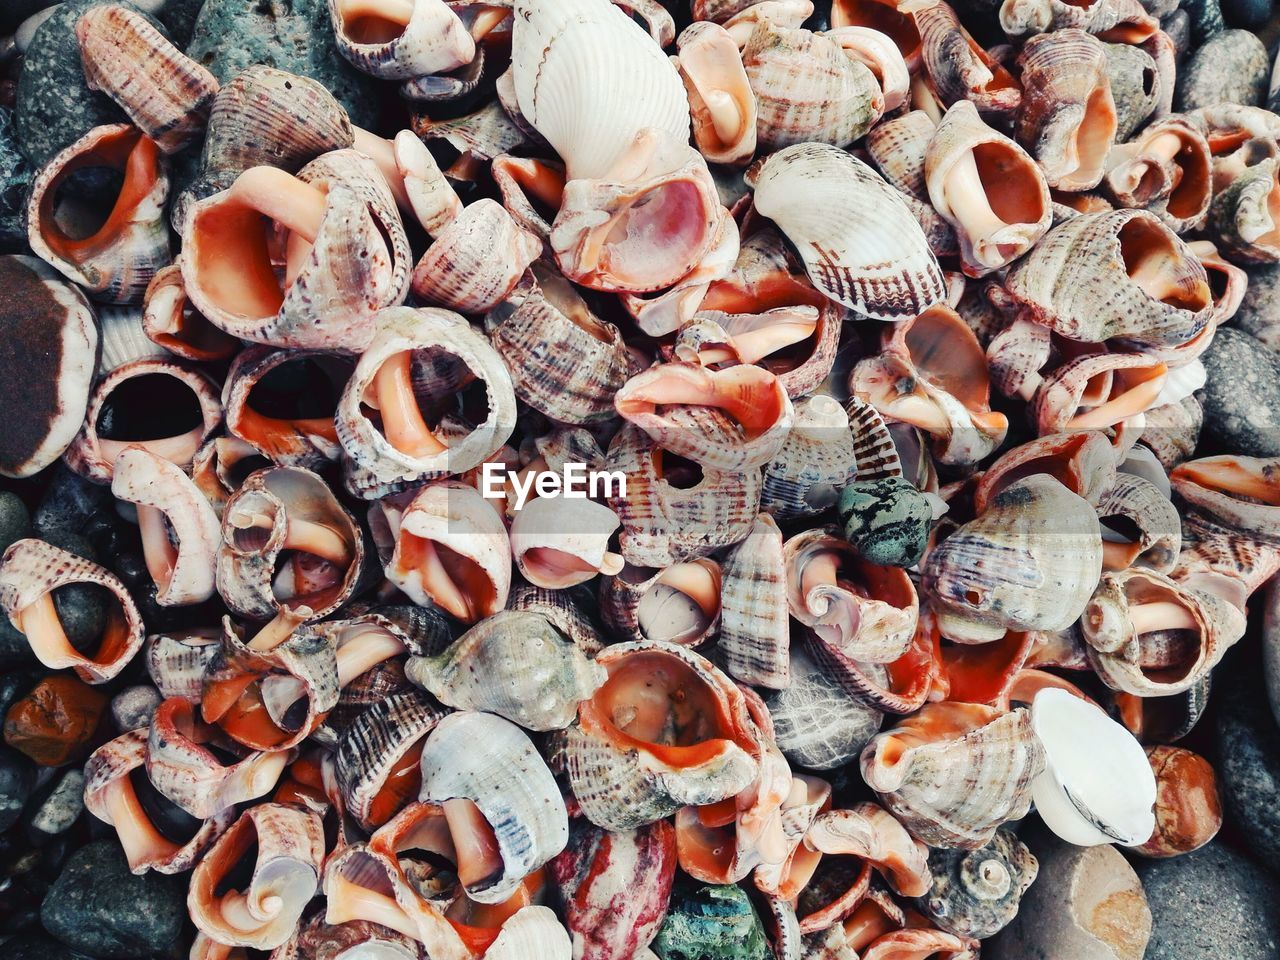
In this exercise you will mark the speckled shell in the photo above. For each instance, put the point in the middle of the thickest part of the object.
(475, 261)
(859, 242)
(115, 263)
(1076, 282)
(1082, 462)
(663, 523)
(957, 68)
(887, 521)
(1165, 169)
(1172, 430)
(1135, 87)
(815, 462)
(515, 665)
(897, 147)
(1239, 218)
(30, 571)
(176, 661)
(755, 634)
(434, 40)
(953, 773)
(976, 892)
(1036, 540)
(1140, 506)
(489, 761)
(1234, 492)
(816, 723)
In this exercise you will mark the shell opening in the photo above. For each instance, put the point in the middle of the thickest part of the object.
(1151, 258)
(457, 583)
(681, 604)
(667, 217)
(380, 22)
(881, 16)
(297, 396)
(158, 411)
(43, 628)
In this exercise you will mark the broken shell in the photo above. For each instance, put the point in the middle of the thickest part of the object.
(1164, 170)
(722, 104)
(815, 463)
(176, 662)
(1188, 805)
(1135, 87)
(859, 242)
(987, 188)
(513, 664)
(180, 531)
(171, 323)
(954, 772)
(30, 572)
(475, 261)
(755, 635)
(977, 892)
(666, 729)
(451, 551)
(166, 94)
(401, 41)
(677, 604)
(497, 791)
(221, 465)
(110, 245)
(872, 833)
(557, 542)
(288, 847)
(1100, 391)
(1140, 527)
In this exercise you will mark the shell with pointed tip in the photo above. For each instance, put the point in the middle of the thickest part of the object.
(957, 68)
(422, 356)
(112, 245)
(475, 261)
(376, 41)
(755, 634)
(954, 772)
(666, 729)
(859, 242)
(722, 104)
(491, 763)
(1035, 540)
(289, 514)
(166, 94)
(1117, 274)
(561, 541)
(988, 189)
(976, 893)
(180, 531)
(1140, 526)
(1165, 169)
(677, 604)
(815, 463)
(514, 664)
(288, 846)
(30, 572)
(816, 723)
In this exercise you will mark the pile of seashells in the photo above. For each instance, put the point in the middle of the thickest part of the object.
(891, 340)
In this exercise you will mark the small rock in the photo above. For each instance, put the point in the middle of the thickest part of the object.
(17, 778)
(1246, 13)
(291, 35)
(133, 707)
(1178, 26)
(70, 503)
(16, 683)
(1188, 802)
(1233, 66)
(1212, 904)
(36, 946)
(1249, 748)
(710, 923)
(886, 521)
(15, 180)
(61, 808)
(96, 905)
(1259, 312)
(54, 722)
(1241, 396)
(15, 524)
(1206, 20)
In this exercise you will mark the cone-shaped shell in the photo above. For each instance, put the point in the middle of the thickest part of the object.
(975, 893)
(859, 242)
(755, 635)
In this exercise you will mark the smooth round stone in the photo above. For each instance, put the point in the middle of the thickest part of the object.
(35, 946)
(61, 808)
(1249, 769)
(886, 521)
(133, 707)
(1241, 396)
(17, 778)
(54, 722)
(1246, 13)
(15, 523)
(1259, 313)
(15, 182)
(1206, 19)
(96, 905)
(82, 607)
(1211, 904)
(1233, 67)
(296, 36)
(710, 923)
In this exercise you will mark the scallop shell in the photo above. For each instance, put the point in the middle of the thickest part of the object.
(976, 893)
(1165, 169)
(859, 242)
(953, 773)
(378, 42)
(815, 463)
(722, 104)
(755, 635)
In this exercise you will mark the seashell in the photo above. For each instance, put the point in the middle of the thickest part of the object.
(557, 542)
(755, 636)
(30, 573)
(176, 661)
(722, 104)
(1140, 527)
(346, 941)
(615, 887)
(1074, 281)
(730, 419)
(113, 788)
(1135, 87)
(815, 463)
(418, 362)
(956, 68)
(912, 381)
(401, 41)
(1067, 119)
(678, 604)
(878, 52)
(263, 377)
(1172, 431)
(1240, 218)
(1151, 637)
(897, 144)
(565, 361)
(1100, 391)
(475, 261)
(1097, 786)
(532, 190)
(570, 611)
(288, 846)
(988, 189)
(953, 773)
(180, 531)
(692, 744)
(377, 756)
(166, 94)
(183, 768)
(1238, 493)
(1228, 282)
(514, 664)
(857, 610)
(287, 514)
(110, 245)
(826, 202)
(976, 893)
(221, 465)
(1020, 18)
(171, 323)
(1188, 805)
(807, 90)
(872, 833)
(816, 723)
(873, 442)
(497, 791)
(1082, 462)
(991, 575)
(534, 932)
(1166, 170)
(450, 550)
(886, 521)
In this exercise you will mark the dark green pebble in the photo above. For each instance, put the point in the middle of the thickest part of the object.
(886, 521)
(710, 923)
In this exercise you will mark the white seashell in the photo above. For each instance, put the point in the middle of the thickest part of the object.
(1097, 786)
(558, 542)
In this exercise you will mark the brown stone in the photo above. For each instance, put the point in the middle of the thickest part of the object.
(55, 721)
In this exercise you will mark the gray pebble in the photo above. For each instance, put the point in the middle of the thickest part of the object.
(133, 707)
(62, 807)
(1241, 396)
(1259, 313)
(17, 780)
(15, 524)
(15, 181)
(1232, 67)
(1249, 768)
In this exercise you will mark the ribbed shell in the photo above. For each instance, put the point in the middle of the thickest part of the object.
(957, 68)
(755, 632)
(710, 64)
(1148, 512)
(874, 451)
(1240, 217)
(1234, 492)
(433, 41)
(1176, 188)
(1135, 87)
(817, 460)
(476, 261)
(176, 661)
(859, 242)
(976, 892)
(677, 604)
